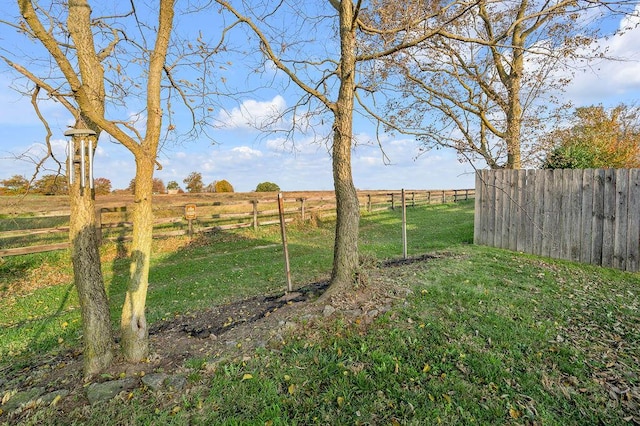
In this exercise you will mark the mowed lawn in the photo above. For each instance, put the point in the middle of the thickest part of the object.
(477, 336)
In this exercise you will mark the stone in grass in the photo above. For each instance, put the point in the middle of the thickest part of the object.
(328, 311)
(154, 381)
(176, 383)
(158, 381)
(49, 398)
(98, 392)
(22, 398)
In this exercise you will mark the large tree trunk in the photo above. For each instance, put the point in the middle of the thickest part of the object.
(135, 344)
(94, 305)
(514, 86)
(514, 123)
(345, 257)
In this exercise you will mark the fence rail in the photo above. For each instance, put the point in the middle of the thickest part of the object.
(589, 216)
(115, 222)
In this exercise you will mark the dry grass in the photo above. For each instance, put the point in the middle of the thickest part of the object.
(18, 205)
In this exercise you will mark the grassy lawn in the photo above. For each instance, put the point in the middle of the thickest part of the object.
(484, 336)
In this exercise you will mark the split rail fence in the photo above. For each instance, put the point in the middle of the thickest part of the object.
(589, 216)
(47, 231)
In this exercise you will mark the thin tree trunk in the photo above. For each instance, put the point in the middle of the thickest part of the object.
(94, 304)
(345, 258)
(133, 325)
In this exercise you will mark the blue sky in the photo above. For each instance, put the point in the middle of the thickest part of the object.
(246, 157)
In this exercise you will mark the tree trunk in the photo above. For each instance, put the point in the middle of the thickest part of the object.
(94, 305)
(514, 85)
(514, 120)
(135, 345)
(345, 257)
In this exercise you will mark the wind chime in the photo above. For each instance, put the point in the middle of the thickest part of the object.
(80, 139)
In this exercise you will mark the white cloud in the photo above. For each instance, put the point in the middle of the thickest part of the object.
(612, 81)
(252, 114)
(244, 152)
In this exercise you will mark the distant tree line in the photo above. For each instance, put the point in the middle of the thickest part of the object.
(52, 184)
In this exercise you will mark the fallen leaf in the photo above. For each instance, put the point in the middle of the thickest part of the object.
(292, 389)
(426, 368)
(54, 402)
(515, 414)
(247, 376)
(340, 401)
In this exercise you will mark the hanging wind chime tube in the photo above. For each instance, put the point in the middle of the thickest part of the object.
(82, 171)
(70, 153)
(90, 164)
(85, 149)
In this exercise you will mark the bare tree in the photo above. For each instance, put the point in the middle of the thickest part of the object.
(486, 85)
(95, 65)
(327, 72)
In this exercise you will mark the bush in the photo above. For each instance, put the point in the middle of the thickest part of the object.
(267, 187)
(223, 186)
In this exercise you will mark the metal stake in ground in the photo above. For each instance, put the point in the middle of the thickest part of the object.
(283, 232)
(404, 226)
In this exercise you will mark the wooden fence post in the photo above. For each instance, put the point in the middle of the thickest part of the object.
(428, 197)
(302, 206)
(99, 226)
(393, 207)
(369, 203)
(444, 197)
(283, 233)
(255, 214)
(404, 226)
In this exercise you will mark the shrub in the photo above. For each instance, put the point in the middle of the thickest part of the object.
(223, 186)
(267, 187)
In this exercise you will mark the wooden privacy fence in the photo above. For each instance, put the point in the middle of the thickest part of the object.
(589, 216)
(45, 231)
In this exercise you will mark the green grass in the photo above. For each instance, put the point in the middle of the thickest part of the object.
(225, 266)
(485, 336)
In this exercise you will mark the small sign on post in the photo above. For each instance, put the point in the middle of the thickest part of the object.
(190, 211)
(190, 214)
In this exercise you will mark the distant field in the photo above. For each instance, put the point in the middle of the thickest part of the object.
(18, 205)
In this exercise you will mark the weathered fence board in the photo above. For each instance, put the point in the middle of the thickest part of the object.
(590, 216)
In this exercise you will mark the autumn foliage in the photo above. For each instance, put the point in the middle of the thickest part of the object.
(597, 139)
